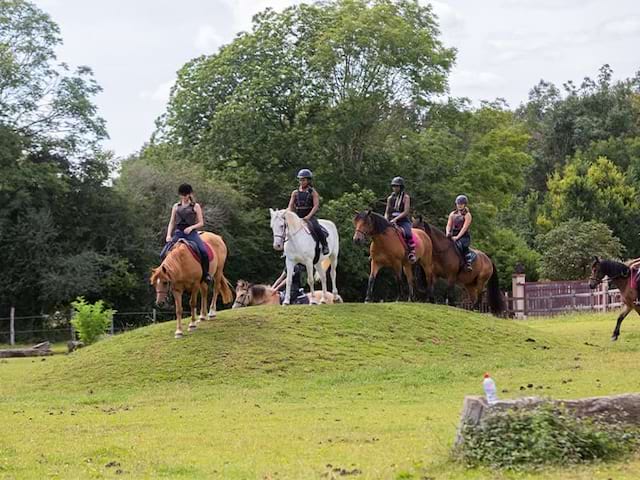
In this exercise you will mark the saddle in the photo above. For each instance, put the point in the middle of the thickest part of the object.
(403, 240)
(193, 249)
(301, 299)
(634, 278)
(325, 232)
(471, 256)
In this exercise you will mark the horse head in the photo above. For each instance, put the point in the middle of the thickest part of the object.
(363, 227)
(160, 279)
(596, 273)
(243, 294)
(279, 228)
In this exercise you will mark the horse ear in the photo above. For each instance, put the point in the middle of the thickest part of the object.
(596, 259)
(368, 211)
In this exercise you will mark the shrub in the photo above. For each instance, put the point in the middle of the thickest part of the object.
(90, 320)
(549, 435)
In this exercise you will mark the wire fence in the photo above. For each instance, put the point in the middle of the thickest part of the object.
(16, 329)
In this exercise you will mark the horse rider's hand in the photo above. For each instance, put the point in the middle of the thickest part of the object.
(449, 235)
(394, 220)
(455, 239)
(188, 230)
(168, 239)
(306, 219)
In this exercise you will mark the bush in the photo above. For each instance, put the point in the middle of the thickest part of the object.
(549, 435)
(90, 321)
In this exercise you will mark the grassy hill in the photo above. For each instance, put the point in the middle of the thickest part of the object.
(344, 391)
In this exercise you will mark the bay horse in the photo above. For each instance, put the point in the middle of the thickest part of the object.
(620, 275)
(388, 250)
(447, 264)
(292, 236)
(180, 272)
(250, 295)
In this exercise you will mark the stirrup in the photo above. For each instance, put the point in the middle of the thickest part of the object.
(411, 256)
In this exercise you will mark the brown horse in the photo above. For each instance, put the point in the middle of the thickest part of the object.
(447, 264)
(250, 295)
(620, 275)
(388, 250)
(181, 272)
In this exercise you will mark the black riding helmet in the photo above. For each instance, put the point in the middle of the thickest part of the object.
(398, 182)
(305, 173)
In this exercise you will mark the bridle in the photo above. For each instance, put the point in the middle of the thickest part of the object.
(284, 235)
(244, 299)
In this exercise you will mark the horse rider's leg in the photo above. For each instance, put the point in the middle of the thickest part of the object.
(322, 273)
(334, 287)
(193, 303)
(287, 289)
(621, 317)
(372, 281)
(204, 293)
(408, 272)
(310, 279)
(177, 297)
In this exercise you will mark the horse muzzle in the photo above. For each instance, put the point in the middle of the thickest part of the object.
(278, 246)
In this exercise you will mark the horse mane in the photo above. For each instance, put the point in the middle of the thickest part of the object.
(612, 268)
(427, 227)
(378, 222)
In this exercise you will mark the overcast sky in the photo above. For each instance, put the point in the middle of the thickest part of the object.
(504, 47)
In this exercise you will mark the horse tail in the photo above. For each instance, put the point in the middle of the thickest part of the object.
(496, 300)
(326, 263)
(225, 290)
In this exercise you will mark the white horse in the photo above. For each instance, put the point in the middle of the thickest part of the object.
(291, 234)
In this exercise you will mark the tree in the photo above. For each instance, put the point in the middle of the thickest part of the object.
(570, 247)
(40, 98)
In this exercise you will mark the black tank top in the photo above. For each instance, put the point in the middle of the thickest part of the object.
(185, 216)
(303, 201)
(458, 221)
(397, 203)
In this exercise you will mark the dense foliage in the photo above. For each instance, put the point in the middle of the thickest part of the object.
(354, 90)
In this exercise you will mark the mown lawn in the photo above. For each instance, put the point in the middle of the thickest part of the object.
(345, 391)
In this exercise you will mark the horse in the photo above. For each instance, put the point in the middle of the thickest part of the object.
(447, 263)
(249, 295)
(388, 250)
(180, 272)
(291, 235)
(620, 275)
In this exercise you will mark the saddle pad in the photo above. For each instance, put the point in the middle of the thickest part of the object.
(414, 237)
(193, 249)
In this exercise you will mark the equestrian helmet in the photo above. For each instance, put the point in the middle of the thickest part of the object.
(305, 173)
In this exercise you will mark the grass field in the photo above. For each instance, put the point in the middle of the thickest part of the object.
(345, 391)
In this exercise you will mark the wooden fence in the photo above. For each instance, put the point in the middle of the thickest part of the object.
(530, 299)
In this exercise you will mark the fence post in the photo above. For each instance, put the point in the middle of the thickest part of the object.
(112, 325)
(517, 287)
(605, 295)
(154, 315)
(12, 326)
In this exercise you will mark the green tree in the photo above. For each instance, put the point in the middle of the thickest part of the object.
(570, 247)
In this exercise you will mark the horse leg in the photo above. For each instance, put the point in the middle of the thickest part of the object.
(323, 281)
(193, 303)
(177, 297)
(204, 293)
(309, 266)
(334, 287)
(398, 271)
(372, 281)
(408, 272)
(217, 282)
(287, 290)
(449, 293)
(473, 295)
(621, 317)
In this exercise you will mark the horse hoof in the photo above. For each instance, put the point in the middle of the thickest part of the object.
(211, 316)
(614, 338)
(201, 318)
(178, 335)
(192, 327)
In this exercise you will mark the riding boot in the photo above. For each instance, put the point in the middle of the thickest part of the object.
(204, 262)
(325, 247)
(467, 266)
(411, 254)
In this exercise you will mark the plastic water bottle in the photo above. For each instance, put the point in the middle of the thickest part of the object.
(489, 387)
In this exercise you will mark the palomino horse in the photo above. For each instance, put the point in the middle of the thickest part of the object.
(180, 272)
(447, 264)
(620, 275)
(388, 250)
(250, 295)
(291, 235)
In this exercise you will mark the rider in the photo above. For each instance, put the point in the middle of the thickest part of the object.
(305, 202)
(398, 210)
(458, 228)
(186, 219)
(297, 292)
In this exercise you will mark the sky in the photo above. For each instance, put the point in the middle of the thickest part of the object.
(505, 47)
